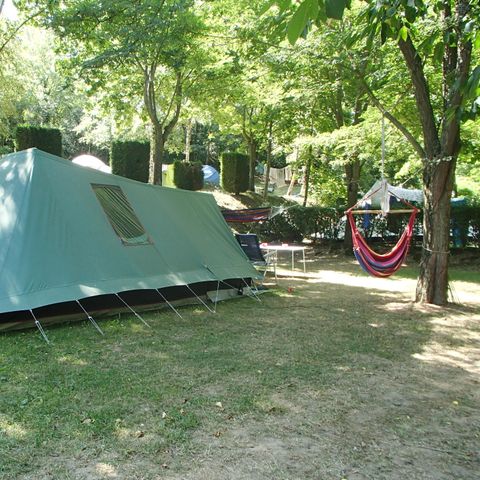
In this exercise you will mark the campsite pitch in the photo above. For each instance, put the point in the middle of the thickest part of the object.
(336, 376)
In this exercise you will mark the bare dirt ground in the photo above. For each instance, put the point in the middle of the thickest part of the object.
(412, 416)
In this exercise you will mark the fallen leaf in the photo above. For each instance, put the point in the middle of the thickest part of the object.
(139, 434)
(219, 405)
(164, 414)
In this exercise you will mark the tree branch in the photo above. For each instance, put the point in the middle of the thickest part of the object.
(451, 122)
(400, 126)
(177, 99)
(422, 96)
(18, 28)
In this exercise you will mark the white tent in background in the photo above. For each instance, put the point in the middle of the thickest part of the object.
(379, 195)
(90, 161)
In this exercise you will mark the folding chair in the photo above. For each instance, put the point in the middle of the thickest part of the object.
(262, 262)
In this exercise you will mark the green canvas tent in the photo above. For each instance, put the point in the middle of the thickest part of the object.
(76, 240)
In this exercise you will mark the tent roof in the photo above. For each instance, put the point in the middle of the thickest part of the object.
(59, 243)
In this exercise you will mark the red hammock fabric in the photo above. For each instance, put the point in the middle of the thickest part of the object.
(376, 264)
(247, 215)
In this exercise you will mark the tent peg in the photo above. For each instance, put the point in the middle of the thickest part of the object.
(40, 328)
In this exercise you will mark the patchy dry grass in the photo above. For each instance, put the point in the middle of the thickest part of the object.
(332, 376)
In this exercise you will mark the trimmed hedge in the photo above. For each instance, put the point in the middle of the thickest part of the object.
(234, 172)
(185, 175)
(296, 223)
(130, 159)
(465, 225)
(47, 139)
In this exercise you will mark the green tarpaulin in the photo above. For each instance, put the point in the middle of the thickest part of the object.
(69, 232)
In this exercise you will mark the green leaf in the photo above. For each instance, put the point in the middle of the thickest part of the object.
(335, 8)
(438, 52)
(403, 33)
(473, 83)
(266, 7)
(383, 33)
(299, 20)
(410, 14)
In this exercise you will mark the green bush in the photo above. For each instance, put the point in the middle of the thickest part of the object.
(186, 175)
(465, 224)
(47, 139)
(130, 159)
(278, 229)
(234, 172)
(296, 223)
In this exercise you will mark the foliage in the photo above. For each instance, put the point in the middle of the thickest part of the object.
(130, 159)
(185, 175)
(296, 222)
(234, 172)
(465, 225)
(46, 139)
(151, 60)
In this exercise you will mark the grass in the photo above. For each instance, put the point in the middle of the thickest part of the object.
(322, 379)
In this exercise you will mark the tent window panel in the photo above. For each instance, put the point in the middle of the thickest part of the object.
(121, 215)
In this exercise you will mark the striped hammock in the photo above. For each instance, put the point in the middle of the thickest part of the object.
(247, 215)
(376, 264)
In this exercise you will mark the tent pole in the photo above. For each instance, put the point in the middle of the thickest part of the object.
(253, 295)
(132, 310)
(168, 303)
(200, 300)
(251, 290)
(40, 328)
(94, 323)
(216, 296)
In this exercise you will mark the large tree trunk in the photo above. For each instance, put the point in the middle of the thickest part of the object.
(157, 147)
(432, 285)
(441, 151)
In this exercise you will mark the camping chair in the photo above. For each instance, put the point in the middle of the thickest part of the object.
(262, 262)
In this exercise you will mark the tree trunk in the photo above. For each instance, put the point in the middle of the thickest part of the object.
(352, 172)
(160, 129)
(292, 184)
(306, 178)
(432, 285)
(188, 139)
(252, 154)
(157, 147)
(269, 160)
